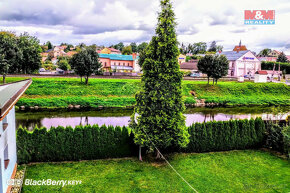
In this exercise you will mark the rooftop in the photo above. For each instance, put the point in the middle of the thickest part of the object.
(189, 65)
(117, 57)
(233, 55)
(10, 93)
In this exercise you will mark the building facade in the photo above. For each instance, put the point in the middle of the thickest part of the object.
(119, 63)
(242, 63)
(9, 95)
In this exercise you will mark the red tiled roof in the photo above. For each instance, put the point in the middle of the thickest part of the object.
(189, 65)
(240, 48)
(263, 72)
(114, 50)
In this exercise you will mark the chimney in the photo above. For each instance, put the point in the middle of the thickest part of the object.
(134, 56)
(238, 50)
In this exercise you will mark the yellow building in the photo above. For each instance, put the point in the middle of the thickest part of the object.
(181, 58)
(106, 51)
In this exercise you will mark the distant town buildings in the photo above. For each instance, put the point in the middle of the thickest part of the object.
(110, 51)
(242, 63)
(181, 58)
(240, 47)
(119, 63)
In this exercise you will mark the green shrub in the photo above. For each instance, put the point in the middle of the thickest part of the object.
(274, 139)
(226, 135)
(65, 144)
(285, 67)
(286, 140)
(94, 142)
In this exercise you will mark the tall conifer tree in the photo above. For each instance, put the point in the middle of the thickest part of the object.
(159, 104)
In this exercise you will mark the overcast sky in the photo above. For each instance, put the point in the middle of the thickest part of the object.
(106, 22)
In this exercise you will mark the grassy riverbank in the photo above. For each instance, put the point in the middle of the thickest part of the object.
(234, 171)
(61, 92)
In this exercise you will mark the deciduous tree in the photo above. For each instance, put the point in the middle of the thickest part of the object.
(142, 46)
(30, 48)
(85, 63)
(127, 50)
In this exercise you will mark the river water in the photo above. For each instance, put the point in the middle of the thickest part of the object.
(121, 117)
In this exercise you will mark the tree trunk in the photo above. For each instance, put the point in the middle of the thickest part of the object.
(81, 79)
(87, 80)
(213, 81)
(216, 81)
(207, 79)
(140, 153)
(4, 77)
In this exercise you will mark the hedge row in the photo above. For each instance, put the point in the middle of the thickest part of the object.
(270, 65)
(226, 135)
(94, 142)
(67, 144)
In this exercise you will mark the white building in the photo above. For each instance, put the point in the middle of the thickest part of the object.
(9, 95)
(242, 63)
(261, 76)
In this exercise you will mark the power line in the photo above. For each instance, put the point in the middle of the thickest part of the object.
(169, 163)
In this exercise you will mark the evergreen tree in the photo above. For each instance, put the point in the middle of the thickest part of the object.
(282, 57)
(49, 45)
(134, 47)
(159, 104)
(213, 47)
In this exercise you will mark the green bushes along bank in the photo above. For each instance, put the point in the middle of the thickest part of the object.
(62, 92)
(94, 142)
(285, 67)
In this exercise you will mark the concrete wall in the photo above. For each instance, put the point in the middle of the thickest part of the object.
(8, 137)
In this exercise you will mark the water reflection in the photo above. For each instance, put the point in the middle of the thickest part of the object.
(121, 117)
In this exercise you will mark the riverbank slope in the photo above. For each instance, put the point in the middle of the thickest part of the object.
(65, 92)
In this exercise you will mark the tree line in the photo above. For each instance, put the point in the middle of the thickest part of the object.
(19, 54)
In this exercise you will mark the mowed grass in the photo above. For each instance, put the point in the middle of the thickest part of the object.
(234, 171)
(60, 92)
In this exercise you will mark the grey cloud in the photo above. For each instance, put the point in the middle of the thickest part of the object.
(239, 31)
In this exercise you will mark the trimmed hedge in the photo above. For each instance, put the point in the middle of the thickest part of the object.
(226, 135)
(68, 144)
(94, 142)
(270, 65)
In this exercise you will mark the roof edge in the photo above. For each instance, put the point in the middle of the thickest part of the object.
(13, 100)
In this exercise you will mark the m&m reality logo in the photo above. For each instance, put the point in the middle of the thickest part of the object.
(259, 17)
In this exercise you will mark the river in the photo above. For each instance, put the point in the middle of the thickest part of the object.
(121, 117)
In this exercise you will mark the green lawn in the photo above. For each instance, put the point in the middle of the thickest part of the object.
(234, 171)
(60, 92)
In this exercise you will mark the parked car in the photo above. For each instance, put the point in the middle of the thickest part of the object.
(195, 75)
(248, 76)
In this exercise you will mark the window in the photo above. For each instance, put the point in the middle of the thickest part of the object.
(128, 64)
(105, 63)
(123, 64)
(119, 64)
(6, 159)
(115, 63)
